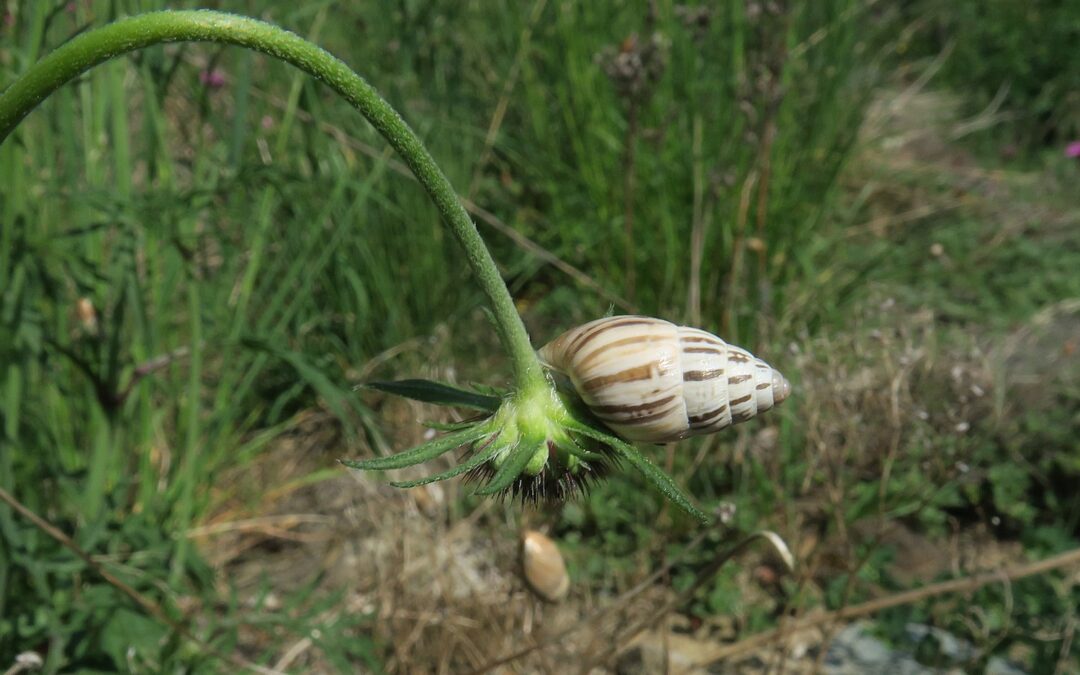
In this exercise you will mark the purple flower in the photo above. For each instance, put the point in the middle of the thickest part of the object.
(1073, 149)
(213, 78)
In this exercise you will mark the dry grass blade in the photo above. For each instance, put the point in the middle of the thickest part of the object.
(625, 639)
(962, 585)
(817, 36)
(547, 256)
(594, 618)
(274, 524)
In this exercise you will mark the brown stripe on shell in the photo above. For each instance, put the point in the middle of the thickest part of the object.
(629, 375)
(588, 359)
(764, 385)
(737, 357)
(702, 338)
(581, 340)
(741, 399)
(701, 375)
(738, 379)
(705, 417)
(702, 350)
(647, 418)
(741, 417)
(611, 409)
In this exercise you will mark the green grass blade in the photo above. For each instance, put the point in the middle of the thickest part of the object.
(241, 96)
(336, 397)
(476, 460)
(188, 480)
(420, 453)
(448, 426)
(511, 468)
(438, 393)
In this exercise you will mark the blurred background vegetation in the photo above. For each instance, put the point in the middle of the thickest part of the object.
(202, 252)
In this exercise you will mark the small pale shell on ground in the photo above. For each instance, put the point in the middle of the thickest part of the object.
(543, 565)
(87, 315)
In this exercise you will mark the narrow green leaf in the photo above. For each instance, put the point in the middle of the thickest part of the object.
(513, 466)
(661, 481)
(572, 448)
(592, 432)
(654, 475)
(488, 389)
(448, 426)
(437, 393)
(420, 453)
(466, 466)
(336, 397)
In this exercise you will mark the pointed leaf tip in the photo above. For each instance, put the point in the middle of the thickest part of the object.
(420, 453)
(660, 480)
(466, 466)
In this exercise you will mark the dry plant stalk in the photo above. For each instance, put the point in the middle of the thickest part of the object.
(962, 585)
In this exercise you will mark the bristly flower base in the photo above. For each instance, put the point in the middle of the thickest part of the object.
(556, 483)
(534, 446)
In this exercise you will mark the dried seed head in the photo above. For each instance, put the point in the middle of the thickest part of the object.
(635, 66)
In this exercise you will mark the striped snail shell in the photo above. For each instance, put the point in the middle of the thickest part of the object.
(652, 381)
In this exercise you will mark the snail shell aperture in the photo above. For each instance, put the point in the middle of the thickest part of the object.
(652, 381)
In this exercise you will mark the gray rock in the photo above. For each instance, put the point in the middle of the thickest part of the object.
(855, 651)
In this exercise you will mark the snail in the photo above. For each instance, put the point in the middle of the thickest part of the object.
(652, 381)
(543, 566)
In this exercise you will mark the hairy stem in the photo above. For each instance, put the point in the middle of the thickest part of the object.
(128, 35)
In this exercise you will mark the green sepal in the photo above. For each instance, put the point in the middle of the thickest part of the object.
(420, 453)
(437, 393)
(466, 466)
(658, 478)
(489, 389)
(571, 448)
(515, 463)
(448, 426)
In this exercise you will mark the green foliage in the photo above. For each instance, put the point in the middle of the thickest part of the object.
(1021, 54)
(249, 249)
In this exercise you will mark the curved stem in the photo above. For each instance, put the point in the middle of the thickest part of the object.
(127, 35)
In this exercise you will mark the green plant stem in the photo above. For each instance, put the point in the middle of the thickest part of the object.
(128, 35)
